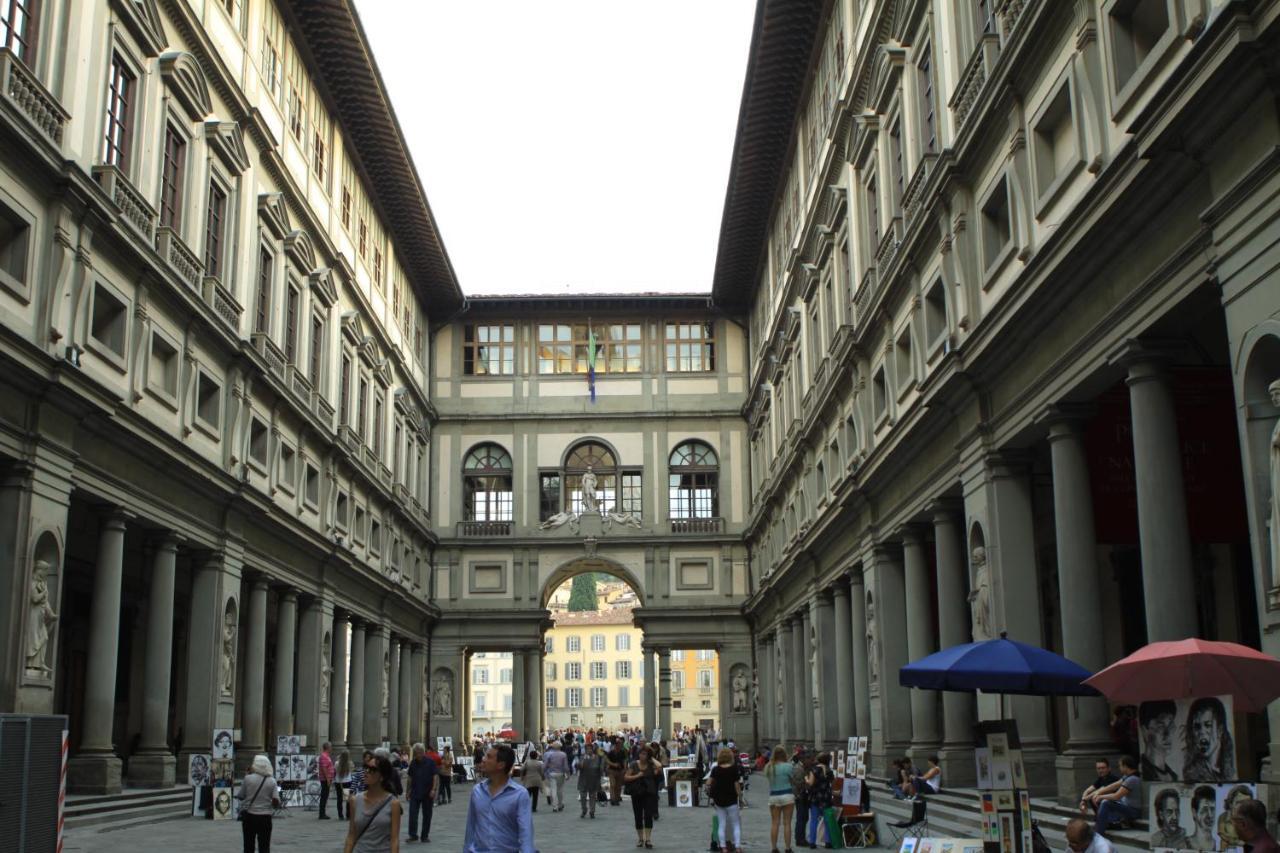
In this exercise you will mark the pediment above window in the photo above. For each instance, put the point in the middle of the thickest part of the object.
(298, 246)
(322, 286)
(142, 19)
(886, 76)
(274, 213)
(353, 328)
(862, 149)
(227, 141)
(185, 79)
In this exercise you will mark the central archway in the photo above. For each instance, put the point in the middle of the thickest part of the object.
(570, 569)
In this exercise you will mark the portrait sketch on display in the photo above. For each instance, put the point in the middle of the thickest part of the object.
(298, 768)
(1195, 816)
(223, 771)
(222, 804)
(199, 771)
(1228, 797)
(223, 744)
(313, 767)
(282, 768)
(1187, 740)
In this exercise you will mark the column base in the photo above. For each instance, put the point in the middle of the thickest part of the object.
(94, 773)
(152, 770)
(1076, 771)
(1042, 775)
(958, 770)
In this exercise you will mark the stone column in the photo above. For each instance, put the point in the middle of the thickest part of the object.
(393, 692)
(664, 693)
(858, 634)
(404, 709)
(796, 678)
(286, 638)
(822, 668)
(419, 659)
(213, 648)
(956, 755)
(355, 691)
(375, 651)
(650, 690)
(921, 641)
(519, 717)
(153, 766)
(783, 702)
(887, 622)
(534, 698)
(1167, 572)
(96, 769)
(804, 670)
(338, 684)
(843, 659)
(253, 734)
(1088, 731)
(316, 673)
(764, 697)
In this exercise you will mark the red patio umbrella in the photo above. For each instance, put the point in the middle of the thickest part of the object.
(508, 733)
(1189, 668)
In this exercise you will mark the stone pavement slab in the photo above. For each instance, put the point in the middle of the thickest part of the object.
(612, 831)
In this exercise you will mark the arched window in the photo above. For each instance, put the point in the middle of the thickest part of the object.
(486, 484)
(694, 489)
(600, 459)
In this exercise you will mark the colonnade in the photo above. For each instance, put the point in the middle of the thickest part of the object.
(882, 605)
(226, 668)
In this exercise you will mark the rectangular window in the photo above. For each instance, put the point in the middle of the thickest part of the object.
(599, 670)
(995, 224)
(677, 679)
(690, 347)
(573, 644)
(622, 643)
(597, 642)
(624, 698)
(109, 325)
(291, 325)
(162, 369)
(573, 671)
(550, 645)
(214, 227)
(622, 669)
(377, 267)
(706, 654)
(599, 697)
(704, 679)
(19, 25)
(895, 162)
(548, 495)
(551, 697)
(551, 671)
(378, 405)
(631, 502)
(319, 141)
(873, 213)
(317, 350)
(573, 697)
(565, 348)
(344, 390)
(504, 676)
(118, 138)
(482, 702)
(620, 348)
(272, 47)
(171, 175)
(479, 676)
(928, 127)
(261, 316)
(288, 467)
(488, 350)
(296, 96)
(208, 400)
(362, 406)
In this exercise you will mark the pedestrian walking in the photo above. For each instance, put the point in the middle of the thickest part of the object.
(498, 818)
(374, 817)
(446, 777)
(556, 767)
(342, 776)
(724, 787)
(642, 778)
(819, 786)
(258, 799)
(531, 776)
(800, 764)
(424, 781)
(616, 765)
(356, 784)
(325, 770)
(782, 801)
(590, 775)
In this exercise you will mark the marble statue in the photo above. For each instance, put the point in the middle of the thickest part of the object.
(41, 617)
(229, 653)
(1274, 389)
(326, 670)
(782, 687)
(980, 597)
(443, 695)
(739, 685)
(755, 689)
(560, 519)
(815, 689)
(873, 643)
(386, 682)
(623, 518)
(589, 502)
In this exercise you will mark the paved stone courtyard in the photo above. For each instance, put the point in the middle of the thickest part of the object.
(612, 831)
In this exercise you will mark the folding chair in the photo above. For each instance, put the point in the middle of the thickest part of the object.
(914, 827)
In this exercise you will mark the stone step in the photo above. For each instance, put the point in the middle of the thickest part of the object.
(129, 808)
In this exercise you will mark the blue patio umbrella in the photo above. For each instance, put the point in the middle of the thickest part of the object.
(998, 666)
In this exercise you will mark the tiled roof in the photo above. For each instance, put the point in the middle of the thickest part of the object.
(612, 616)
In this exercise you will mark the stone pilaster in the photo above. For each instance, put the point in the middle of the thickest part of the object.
(375, 676)
(843, 642)
(519, 711)
(404, 696)
(213, 649)
(252, 715)
(887, 654)
(316, 672)
(858, 637)
(286, 638)
(356, 692)
(921, 642)
(338, 683)
(153, 766)
(956, 755)
(664, 693)
(650, 689)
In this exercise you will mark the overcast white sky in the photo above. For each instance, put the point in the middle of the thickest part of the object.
(569, 146)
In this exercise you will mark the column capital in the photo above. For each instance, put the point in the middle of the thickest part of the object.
(287, 593)
(116, 517)
(840, 589)
(1008, 464)
(945, 509)
(1144, 358)
(259, 582)
(1065, 418)
(911, 534)
(165, 540)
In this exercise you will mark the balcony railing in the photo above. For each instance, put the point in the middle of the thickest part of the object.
(25, 91)
(974, 77)
(222, 302)
(484, 528)
(697, 525)
(181, 259)
(274, 357)
(131, 204)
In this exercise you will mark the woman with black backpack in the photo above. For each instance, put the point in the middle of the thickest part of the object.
(642, 780)
(818, 784)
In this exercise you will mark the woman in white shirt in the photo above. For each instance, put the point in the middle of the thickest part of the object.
(258, 799)
(929, 783)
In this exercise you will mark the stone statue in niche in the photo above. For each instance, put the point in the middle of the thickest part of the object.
(228, 653)
(442, 696)
(873, 643)
(739, 690)
(40, 618)
(326, 670)
(1274, 390)
(755, 689)
(386, 682)
(980, 597)
(589, 501)
(782, 687)
(814, 688)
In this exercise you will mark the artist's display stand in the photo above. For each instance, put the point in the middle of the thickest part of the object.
(1002, 788)
(856, 820)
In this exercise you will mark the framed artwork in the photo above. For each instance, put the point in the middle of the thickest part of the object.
(223, 744)
(684, 794)
(908, 845)
(1187, 740)
(222, 804)
(199, 771)
(283, 771)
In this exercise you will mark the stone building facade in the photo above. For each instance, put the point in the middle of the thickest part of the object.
(592, 669)
(1014, 311)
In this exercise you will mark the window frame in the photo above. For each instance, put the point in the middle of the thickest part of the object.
(119, 153)
(173, 176)
(155, 388)
(473, 349)
(29, 40)
(501, 507)
(686, 346)
(216, 244)
(704, 476)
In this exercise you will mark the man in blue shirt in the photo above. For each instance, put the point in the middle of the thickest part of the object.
(423, 783)
(499, 819)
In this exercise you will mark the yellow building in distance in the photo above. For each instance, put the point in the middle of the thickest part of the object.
(593, 676)
(695, 689)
